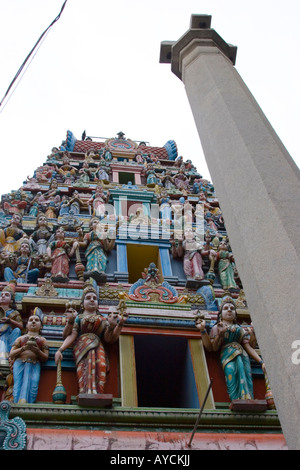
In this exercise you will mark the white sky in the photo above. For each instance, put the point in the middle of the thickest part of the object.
(98, 69)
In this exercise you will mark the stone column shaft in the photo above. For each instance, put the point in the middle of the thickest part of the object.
(258, 186)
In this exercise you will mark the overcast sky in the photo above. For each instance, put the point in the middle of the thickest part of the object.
(98, 70)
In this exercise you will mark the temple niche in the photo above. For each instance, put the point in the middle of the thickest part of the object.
(119, 290)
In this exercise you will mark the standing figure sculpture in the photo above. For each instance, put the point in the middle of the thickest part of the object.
(60, 253)
(97, 246)
(194, 252)
(103, 171)
(98, 201)
(233, 342)
(88, 332)
(225, 267)
(152, 178)
(165, 210)
(41, 235)
(10, 321)
(27, 354)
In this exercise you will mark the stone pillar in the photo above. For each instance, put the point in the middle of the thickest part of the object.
(258, 186)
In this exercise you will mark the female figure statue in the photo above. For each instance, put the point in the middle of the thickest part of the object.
(233, 341)
(27, 354)
(102, 171)
(10, 321)
(193, 253)
(98, 201)
(88, 332)
(64, 207)
(41, 234)
(165, 210)
(225, 266)
(152, 178)
(107, 154)
(60, 253)
(97, 246)
(86, 173)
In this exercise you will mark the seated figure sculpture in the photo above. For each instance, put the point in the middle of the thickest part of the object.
(10, 237)
(24, 269)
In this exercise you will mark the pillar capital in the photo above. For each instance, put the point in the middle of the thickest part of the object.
(200, 33)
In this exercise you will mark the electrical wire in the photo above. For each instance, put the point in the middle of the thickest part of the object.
(21, 76)
(30, 54)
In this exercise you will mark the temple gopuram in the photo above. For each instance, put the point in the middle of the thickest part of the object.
(123, 318)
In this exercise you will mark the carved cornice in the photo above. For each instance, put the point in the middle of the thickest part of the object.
(183, 419)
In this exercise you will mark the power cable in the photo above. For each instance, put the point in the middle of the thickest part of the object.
(31, 52)
(21, 76)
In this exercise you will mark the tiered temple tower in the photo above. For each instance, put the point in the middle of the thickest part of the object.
(139, 227)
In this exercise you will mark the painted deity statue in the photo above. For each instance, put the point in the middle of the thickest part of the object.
(97, 245)
(75, 203)
(60, 252)
(98, 201)
(107, 154)
(50, 201)
(139, 157)
(167, 180)
(53, 191)
(25, 268)
(181, 180)
(34, 206)
(88, 332)
(10, 321)
(44, 173)
(233, 341)
(27, 353)
(64, 207)
(41, 235)
(165, 210)
(139, 218)
(67, 171)
(225, 267)
(193, 256)
(86, 173)
(54, 155)
(103, 171)
(152, 178)
(11, 236)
